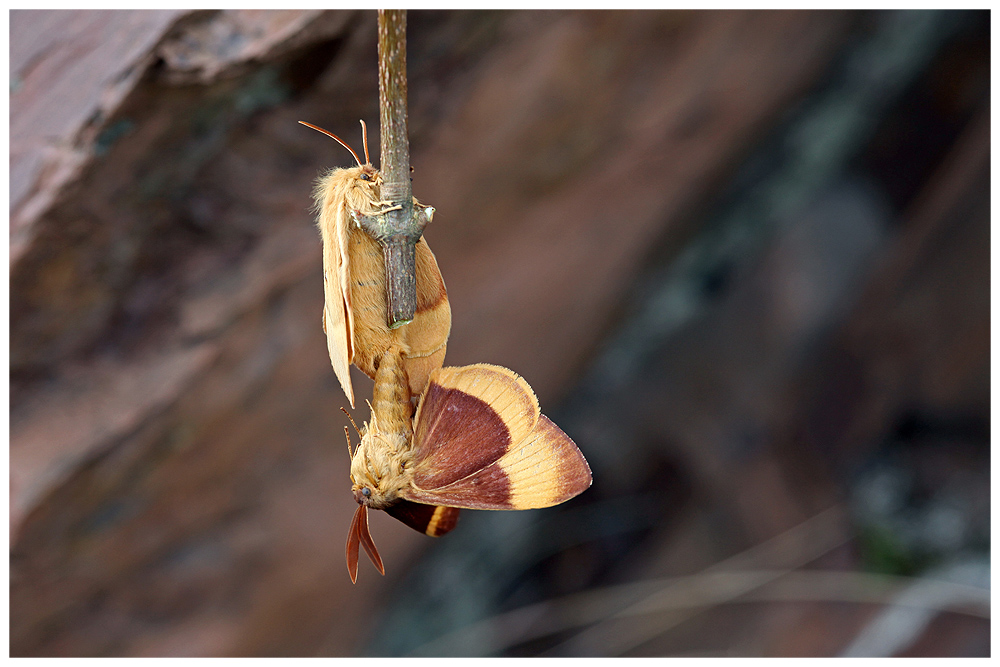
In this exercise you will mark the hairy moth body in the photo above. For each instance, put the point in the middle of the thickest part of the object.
(355, 313)
(478, 441)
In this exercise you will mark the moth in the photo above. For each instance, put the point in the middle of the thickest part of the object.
(478, 441)
(355, 310)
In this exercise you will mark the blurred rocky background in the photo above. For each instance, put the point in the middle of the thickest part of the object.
(742, 257)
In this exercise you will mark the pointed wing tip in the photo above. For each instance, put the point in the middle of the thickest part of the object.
(348, 389)
(586, 481)
(576, 469)
(374, 556)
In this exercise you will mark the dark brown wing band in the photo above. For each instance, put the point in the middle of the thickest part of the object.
(428, 519)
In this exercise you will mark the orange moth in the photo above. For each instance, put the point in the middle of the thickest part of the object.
(355, 311)
(478, 441)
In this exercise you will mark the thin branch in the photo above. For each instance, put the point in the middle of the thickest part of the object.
(399, 226)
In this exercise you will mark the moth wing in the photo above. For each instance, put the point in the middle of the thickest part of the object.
(353, 544)
(426, 519)
(466, 419)
(343, 239)
(368, 543)
(546, 468)
(426, 337)
(338, 320)
(480, 442)
(359, 535)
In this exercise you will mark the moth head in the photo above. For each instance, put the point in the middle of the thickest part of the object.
(369, 174)
(364, 186)
(378, 468)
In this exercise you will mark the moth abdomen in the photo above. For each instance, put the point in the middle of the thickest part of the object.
(391, 395)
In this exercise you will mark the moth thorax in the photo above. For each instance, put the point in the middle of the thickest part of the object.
(380, 465)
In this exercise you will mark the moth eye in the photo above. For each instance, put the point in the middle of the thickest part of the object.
(365, 177)
(366, 492)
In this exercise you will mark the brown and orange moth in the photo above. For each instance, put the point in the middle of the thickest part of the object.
(355, 310)
(479, 441)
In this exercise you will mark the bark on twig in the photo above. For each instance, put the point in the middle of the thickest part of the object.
(399, 226)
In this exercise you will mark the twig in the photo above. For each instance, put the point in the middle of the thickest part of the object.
(399, 226)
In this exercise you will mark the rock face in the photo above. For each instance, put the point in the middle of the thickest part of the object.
(178, 480)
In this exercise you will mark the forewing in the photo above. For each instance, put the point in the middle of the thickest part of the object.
(343, 239)
(426, 337)
(353, 542)
(368, 543)
(358, 535)
(467, 419)
(337, 316)
(481, 443)
(544, 469)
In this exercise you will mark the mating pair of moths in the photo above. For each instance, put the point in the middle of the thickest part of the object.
(478, 440)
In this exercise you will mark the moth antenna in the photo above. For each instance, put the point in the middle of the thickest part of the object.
(339, 140)
(352, 424)
(347, 434)
(364, 135)
(374, 423)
